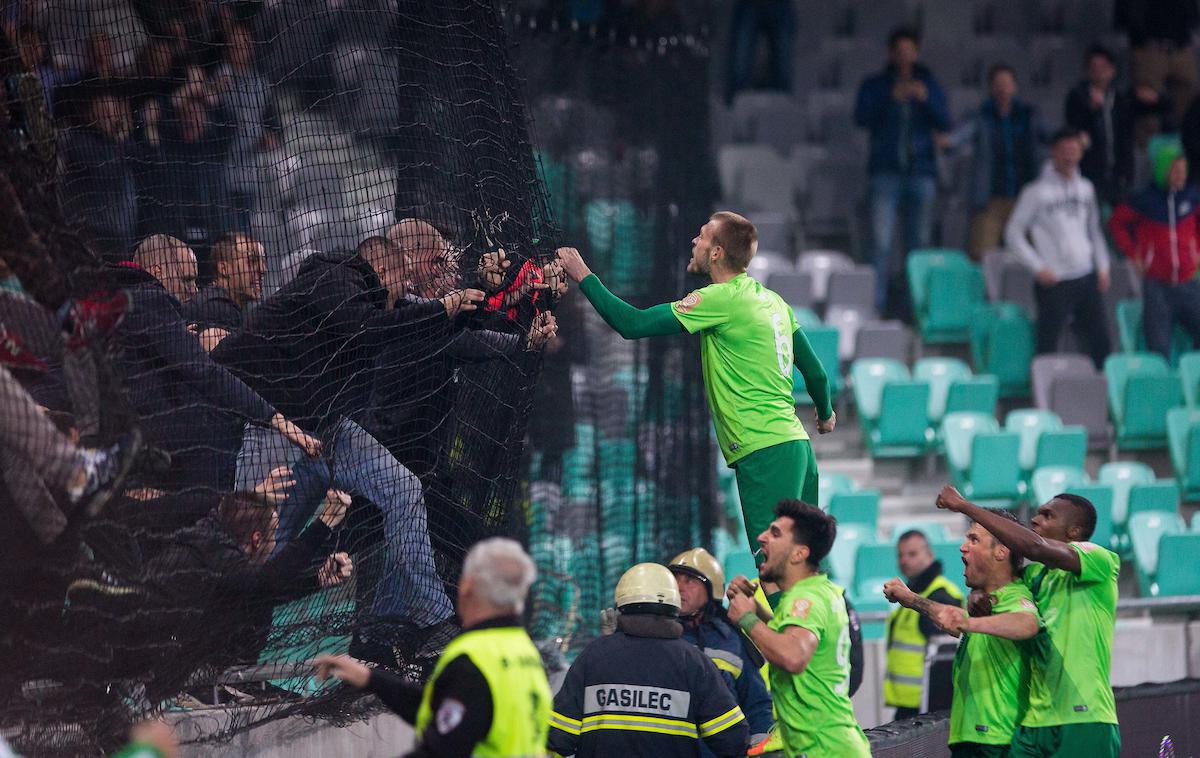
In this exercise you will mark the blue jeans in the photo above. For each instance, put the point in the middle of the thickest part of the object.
(888, 194)
(355, 462)
(1165, 305)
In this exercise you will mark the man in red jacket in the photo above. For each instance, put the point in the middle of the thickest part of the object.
(1157, 230)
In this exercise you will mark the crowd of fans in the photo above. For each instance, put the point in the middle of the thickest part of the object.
(282, 442)
(1051, 216)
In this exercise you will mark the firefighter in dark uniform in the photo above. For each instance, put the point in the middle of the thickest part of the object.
(488, 695)
(643, 690)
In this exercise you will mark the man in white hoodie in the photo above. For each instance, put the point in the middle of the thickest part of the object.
(1055, 231)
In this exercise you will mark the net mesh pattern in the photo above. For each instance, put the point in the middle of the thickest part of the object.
(312, 392)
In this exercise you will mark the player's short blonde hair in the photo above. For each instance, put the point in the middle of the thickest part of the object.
(738, 236)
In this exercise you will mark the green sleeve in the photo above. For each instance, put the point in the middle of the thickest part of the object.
(1095, 563)
(630, 322)
(815, 378)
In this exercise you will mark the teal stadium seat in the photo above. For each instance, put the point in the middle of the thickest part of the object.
(1177, 574)
(1133, 338)
(1062, 447)
(1189, 375)
(977, 393)
(829, 485)
(806, 317)
(1141, 390)
(1031, 423)
(824, 342)
(850, 537)
(940, 373)
(1160, 495)
(934, 531)
(858, 507)
(902, 430)
(1145, 533)
(1183, 440)
(873, 566)
(945, 287)
(1121, 476)
(1048, 481)
(1002, 346)
(984, 462)
(952, 566)
(868, 377)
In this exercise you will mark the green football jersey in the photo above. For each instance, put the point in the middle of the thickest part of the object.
(1072, 656)
(813, 707)
(746, 354)
(991, 678)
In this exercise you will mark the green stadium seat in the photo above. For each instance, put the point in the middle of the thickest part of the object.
(940, 373)
(1051, 480)
(829, 485)
(1177, 574)
(1121, 476)
(1101, 496)
(934, 531)
(1030, 423)
(946, 286)
(868, 377)
(978, 393)
(1002, 346)
(1161, 495)
(1141, 390)
(902, 430)
(1189, 375)
(1145, 533)
(873, 566)
(824, 341)
(845, 547)
(1183, 440)
(1062, 447)
(984, 462)
(858, 507)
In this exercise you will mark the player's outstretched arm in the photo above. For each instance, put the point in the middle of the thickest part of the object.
(1012, 535)
(630, 322)
(951, 619)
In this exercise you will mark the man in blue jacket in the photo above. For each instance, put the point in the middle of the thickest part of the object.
(705, 624)
(903, 107)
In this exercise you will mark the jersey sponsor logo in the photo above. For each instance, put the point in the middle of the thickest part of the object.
(801, 608)
(688, 303)
(450, 715)
(632, 698)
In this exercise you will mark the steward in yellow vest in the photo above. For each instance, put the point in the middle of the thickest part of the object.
(488, 694)
(909, 631)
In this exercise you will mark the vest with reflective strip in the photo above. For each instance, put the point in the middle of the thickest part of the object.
(521, 698)
(906, 650)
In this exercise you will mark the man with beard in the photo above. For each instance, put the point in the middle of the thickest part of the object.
(1072, 710)
(807, 638)
(749, 342)
(991, 667)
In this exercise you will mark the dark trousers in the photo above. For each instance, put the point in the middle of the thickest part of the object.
(1165, 305)
(1079, 302)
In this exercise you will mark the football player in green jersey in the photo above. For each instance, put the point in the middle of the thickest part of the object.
(1074, 584)
(991, 667)
(749, 343)
(806, 640)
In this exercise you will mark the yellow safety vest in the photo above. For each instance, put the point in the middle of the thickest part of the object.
(906, 650)
(521, 698)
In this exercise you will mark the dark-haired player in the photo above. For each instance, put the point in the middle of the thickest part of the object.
(807, 640)
(749, 343)
(991, 666)
(1074, 583)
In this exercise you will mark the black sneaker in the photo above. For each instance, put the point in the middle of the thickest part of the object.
(106, 472)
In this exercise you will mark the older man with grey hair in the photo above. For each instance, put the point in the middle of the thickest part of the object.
(488, 694)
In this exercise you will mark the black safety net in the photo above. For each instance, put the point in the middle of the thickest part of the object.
(278, 285)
